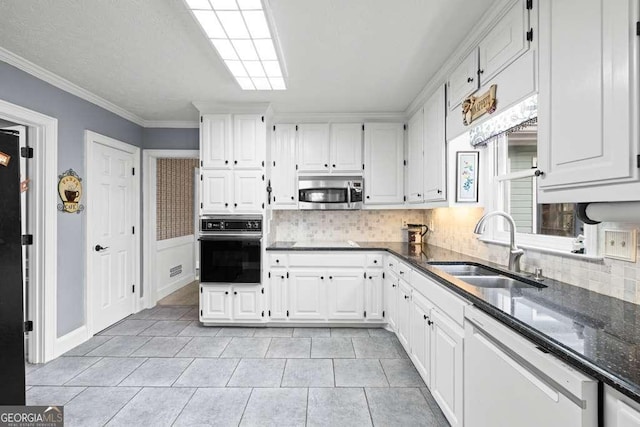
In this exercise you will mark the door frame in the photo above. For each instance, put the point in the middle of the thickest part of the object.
(90, 186)
(149, 184)
(42, 136)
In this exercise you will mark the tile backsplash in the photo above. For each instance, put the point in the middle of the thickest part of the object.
(363, 225)
(453, 229)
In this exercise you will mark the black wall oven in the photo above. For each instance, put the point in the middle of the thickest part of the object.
(231, 249)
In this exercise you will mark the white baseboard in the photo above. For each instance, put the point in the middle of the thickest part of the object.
(71, 340)
(171, 288)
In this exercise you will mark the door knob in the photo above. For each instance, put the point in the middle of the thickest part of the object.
(99, 248)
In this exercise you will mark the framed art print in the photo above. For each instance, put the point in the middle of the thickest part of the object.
(467, 176)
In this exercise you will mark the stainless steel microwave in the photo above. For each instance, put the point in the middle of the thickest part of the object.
(330, 193)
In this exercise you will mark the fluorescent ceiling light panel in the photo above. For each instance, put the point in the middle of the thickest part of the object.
(240, 32)
(199, 4)
(209, 23)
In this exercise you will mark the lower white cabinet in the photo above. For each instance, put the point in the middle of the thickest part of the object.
(278, 286)
(307, 294)
(421, 335)
(230, 303)
(447, 366)
(619, 410)
(403, 318)
(373, 295)
(390, 299)
(248, 191)
(346, 294)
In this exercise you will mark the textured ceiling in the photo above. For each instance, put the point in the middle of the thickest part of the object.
(150, 57)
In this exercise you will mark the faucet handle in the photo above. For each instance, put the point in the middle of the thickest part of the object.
(538, 273)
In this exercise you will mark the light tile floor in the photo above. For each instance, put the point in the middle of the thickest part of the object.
(161, 367)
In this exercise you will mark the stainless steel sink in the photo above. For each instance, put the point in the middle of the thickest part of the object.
(497, 282)
(459, 270)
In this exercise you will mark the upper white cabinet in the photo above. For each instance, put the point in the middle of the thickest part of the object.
(248, 191)
(346, 148)
(384, 163)
(415, 158)
(435, 148)
(215, 141)
(283, 167)
(313, 147)
(249, 144)
(216, 191)
(588, 100)
(232, 191)
(506, 41)
(464, 80)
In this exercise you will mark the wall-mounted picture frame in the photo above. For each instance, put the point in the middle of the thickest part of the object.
(467, 163)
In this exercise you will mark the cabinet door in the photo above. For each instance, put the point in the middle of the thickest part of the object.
(391, 299)
(284, 182)
(619, 410)
(587, 130)
(313, 148)
(217, 188)
(373, 293)
(215, 302)
(346, 294)
(215, 141)
(463, 81)
(446, 367)
(421, 336)
(277, 291)
(246, 303)
(415, 158)
(346, 148)
(249, 191)
(435, 148)
(307, 294)
(249, 141)
(384, 163)
(403, 318)
(506, 41)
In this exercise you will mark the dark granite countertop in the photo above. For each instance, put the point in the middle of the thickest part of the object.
(598, 334)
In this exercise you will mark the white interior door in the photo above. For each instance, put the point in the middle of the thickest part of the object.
(111, 214)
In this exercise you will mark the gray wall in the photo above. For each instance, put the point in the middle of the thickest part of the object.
(170, 139)
(74, 117)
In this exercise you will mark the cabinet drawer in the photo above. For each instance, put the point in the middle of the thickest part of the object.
(374, 260)
(404, 271)
(319, 259)
(278, 259)
(391, 264)
(446, 301)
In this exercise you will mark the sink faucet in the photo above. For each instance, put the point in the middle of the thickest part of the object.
(515, 253)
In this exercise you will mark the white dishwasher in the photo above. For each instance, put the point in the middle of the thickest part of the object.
(509, 381)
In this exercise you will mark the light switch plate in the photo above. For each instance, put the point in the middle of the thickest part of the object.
(620, 244)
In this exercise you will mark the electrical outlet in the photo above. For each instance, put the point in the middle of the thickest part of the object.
(620, 244)
(431, 226)
(404, 222)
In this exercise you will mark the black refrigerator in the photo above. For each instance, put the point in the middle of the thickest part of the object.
(12, 369)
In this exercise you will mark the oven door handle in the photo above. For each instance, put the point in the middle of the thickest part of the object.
(234, 236)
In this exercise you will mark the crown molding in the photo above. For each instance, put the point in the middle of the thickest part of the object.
(488, 20)
(64, 84)
(209, 107)
(282, 117)
(171, 124)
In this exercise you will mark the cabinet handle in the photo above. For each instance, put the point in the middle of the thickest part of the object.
(393, 285)
(330, 277)
(226, 162)
(226, 292)
(333, 166)
(481, 71)
(277, 261)
(425, 316)
(370, 277)
(326, 165)
(368, 197)
(406, 297)
(282, 277)
(235, 162)
(429, 322)
(321, 277)
(292, 198)
(402, 272)
(469, 79)
(235, 293)
(226, 205)
(439, 191)
(235, 205)
(375, 261)
(418, 194)
(390, 265)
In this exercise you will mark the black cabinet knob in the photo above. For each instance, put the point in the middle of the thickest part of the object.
(321, 277)
(330, 277)
(480, 71)
(375, 261)
(235, 205)
(226, 162)
(469, 79)
(406, 297)
(370, 277)
(235, 162)
(425, 316)
(439, 191)
(429, 322)
(333, 166)
(226, 292)
(326, 165)
(277, 261)
(368, 197)
(235, 293)
(282, 277)
(292, 198)
(393, 286)
(418, 194)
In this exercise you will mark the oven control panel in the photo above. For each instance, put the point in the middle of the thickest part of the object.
(230, 224)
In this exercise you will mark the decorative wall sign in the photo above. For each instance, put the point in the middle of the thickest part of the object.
(70, 190)
(467, 176)
(476, 106)
(4, 159)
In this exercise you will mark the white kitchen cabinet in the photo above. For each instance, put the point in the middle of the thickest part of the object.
(215, 302)
(390, 298)
(421, 335)
(374, 293)
(284, 184)
(307, 294)
(215, 141)
(506, 41)
(313, 147)
(249, 191)
(588, 130)
(435, 148)
(463, 81)
(278, 284)
(403, 314)
(619, 410)
(415, 157)
(216, 191)
(447, 366)
(249, 141)
(346, 148)
(384, 163)
(246, 303)
(345, 294)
